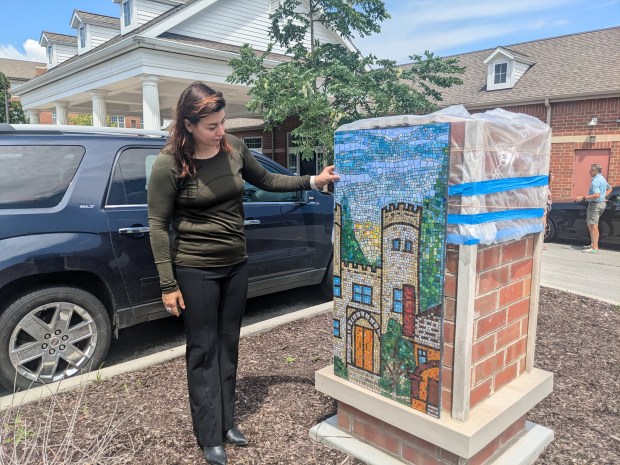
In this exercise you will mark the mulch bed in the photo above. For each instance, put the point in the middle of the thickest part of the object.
(579, 341)
(143, 417)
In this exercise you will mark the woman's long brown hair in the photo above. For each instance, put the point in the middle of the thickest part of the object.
(196, 102)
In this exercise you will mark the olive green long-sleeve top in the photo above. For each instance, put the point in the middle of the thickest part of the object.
(205, 210)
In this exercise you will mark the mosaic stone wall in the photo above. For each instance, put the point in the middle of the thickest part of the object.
(389, 260)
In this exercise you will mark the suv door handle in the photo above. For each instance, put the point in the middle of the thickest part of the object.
(135, 231)
(251, 222)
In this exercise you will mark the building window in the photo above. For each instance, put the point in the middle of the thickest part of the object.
(117, 121)
(408, 246)
(255, 143)
(299, 166)
(422, 355)
(398, 301)
(273, 5)
(500, 73)
(141, 122)
(293, 156)
(49, 54)
(336, 328)
(54, 118)
(127, 12)
(337, 287)
(362, 294)
(396, 244)
(82, 36)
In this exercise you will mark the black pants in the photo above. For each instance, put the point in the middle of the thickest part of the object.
(214, 305)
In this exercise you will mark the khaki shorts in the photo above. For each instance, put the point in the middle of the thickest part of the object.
(594, 212)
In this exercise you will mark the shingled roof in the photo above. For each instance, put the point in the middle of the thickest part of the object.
(60, 38)
(19, 69)
(566, 67)
(108, 21)
(118, 38)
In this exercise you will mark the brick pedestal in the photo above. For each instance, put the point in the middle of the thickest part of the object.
(488, 380)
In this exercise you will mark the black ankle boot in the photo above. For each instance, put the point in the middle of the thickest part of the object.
(215, 455)
(236, 437)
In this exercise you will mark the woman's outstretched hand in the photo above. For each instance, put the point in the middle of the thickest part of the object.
(326, 176)
(173, 302)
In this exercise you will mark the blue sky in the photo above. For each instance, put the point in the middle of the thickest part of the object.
(445, 27)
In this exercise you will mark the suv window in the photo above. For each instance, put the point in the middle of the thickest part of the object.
(131, 176)
(36, 176)
(254, 194)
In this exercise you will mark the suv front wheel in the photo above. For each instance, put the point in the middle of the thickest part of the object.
(52, 334)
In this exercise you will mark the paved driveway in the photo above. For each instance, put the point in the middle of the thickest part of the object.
(565, 267)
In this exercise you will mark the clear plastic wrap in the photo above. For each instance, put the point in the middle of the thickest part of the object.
(499, 163)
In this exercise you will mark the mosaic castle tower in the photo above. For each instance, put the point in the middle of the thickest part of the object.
(371, 303)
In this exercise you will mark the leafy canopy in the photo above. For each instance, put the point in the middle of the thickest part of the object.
(16, 113)
(326, 85)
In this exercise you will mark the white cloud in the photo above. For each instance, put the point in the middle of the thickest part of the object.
(426, 13)
(444, 26)
(439, 39)
(32, 51)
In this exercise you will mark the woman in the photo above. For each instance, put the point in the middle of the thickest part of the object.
(196, 185)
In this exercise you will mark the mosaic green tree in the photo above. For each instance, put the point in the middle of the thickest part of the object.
(431, 263)
(340, 368)
(325, 85)
(397, 361)
(350, 249)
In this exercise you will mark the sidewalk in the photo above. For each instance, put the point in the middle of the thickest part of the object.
(566, 268)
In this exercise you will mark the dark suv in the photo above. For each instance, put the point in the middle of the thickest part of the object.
(75, 257)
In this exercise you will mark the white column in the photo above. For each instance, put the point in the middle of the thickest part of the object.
(99, 108)
(464, 331)
(33, 116)
(150, 102)
(62, 113)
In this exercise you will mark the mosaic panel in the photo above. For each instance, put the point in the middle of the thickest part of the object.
(389, 260)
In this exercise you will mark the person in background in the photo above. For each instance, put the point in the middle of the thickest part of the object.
(599, 189)
(548, 205)
(196, 185)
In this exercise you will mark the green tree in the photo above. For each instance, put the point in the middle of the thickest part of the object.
(397, 360)
(16, 113)
(81, 119)
(325, 85)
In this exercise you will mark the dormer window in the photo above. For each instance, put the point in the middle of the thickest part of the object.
(50, 55)
(82, 36)
(505, 67)
(127, 12)
(500, 75)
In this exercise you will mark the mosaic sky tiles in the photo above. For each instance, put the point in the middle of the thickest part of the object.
(389, 254)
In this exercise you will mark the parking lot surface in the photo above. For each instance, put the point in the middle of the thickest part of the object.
(565, 267)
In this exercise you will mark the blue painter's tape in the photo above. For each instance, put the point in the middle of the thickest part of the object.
(502, 235)
(509, 234)
(480, 218)
(461, 240)
(497, 185)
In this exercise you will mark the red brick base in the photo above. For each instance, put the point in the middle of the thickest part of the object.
(413, 450)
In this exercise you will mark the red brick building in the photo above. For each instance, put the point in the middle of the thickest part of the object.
(571, 82)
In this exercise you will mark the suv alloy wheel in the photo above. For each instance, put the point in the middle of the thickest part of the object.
(52, 334)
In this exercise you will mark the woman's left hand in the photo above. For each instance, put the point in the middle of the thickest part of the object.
(326, 176)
